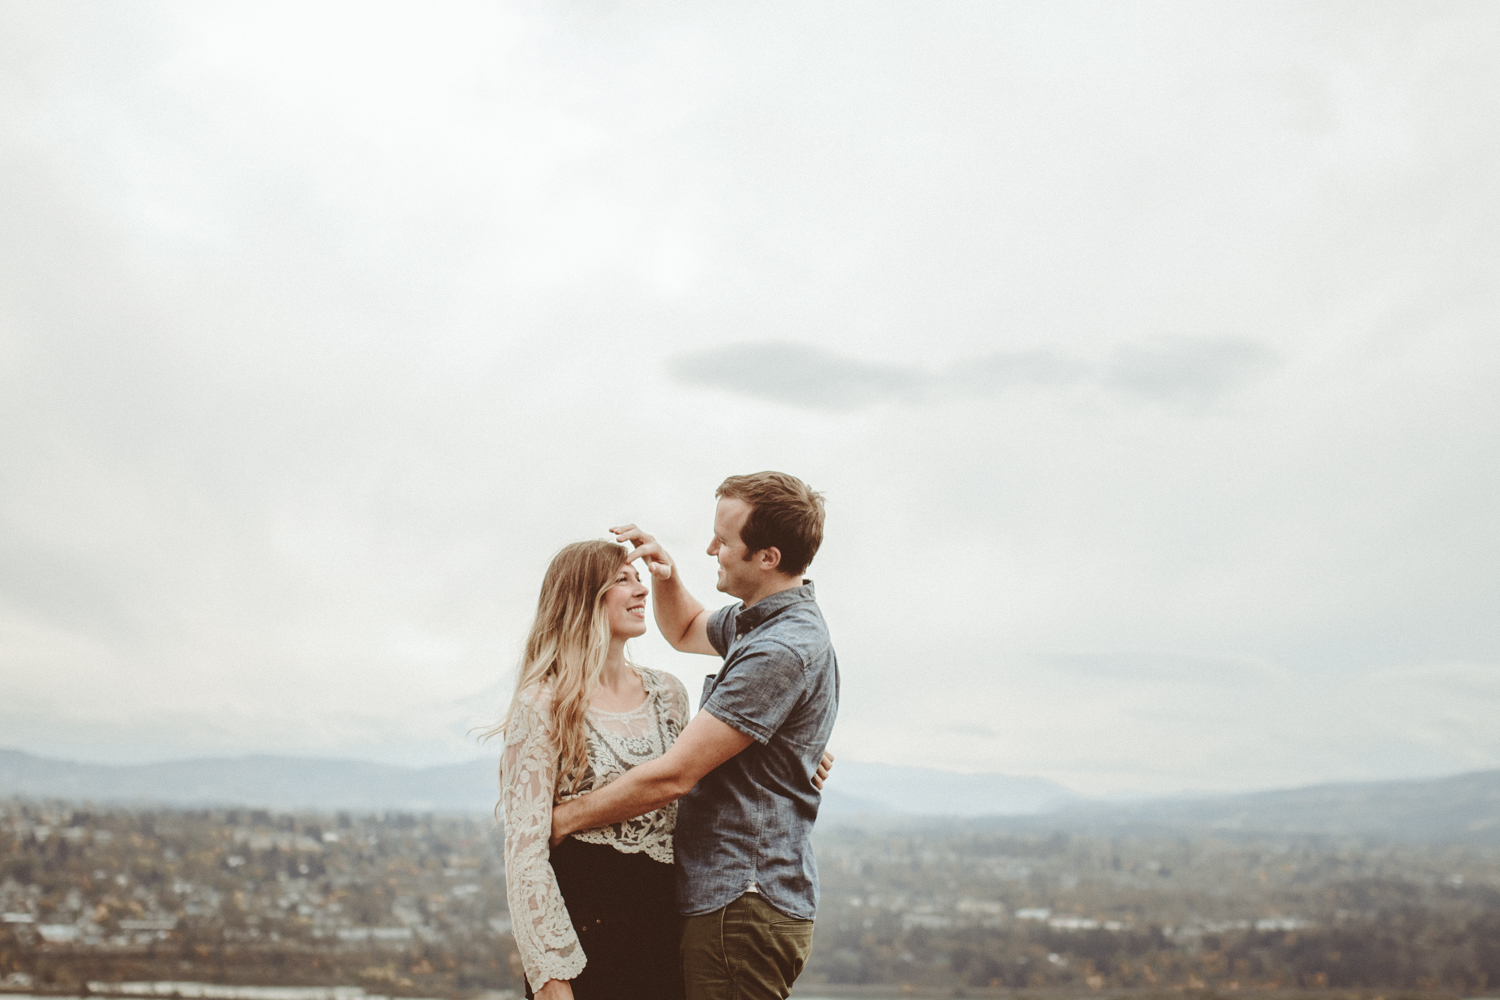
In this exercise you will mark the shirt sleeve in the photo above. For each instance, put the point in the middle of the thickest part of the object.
(759, 691)
(539, 918)
(721, 628)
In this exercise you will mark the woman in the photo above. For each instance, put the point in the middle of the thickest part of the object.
(596, 916)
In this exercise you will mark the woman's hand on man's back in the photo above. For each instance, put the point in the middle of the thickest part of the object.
(824, 766)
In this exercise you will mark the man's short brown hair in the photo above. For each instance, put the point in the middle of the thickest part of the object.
(784, 513)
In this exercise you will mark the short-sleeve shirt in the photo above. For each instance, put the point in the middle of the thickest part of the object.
(747, 825)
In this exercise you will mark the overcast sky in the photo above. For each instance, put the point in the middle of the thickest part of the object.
(1146, 355)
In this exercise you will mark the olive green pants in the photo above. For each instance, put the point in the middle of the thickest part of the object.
(749, 950)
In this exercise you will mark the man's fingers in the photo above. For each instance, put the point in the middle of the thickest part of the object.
(630, 533)
(657, 561)
(650, 551)
(647, 548)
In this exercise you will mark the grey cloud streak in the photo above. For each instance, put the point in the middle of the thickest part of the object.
(1191, 370)
(801, 375)
(1187, 368)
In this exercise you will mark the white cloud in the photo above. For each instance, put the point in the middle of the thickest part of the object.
(321, 329)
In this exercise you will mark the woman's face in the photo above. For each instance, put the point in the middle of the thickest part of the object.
(625, 604)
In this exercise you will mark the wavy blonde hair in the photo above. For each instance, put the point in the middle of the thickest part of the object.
(567, 646)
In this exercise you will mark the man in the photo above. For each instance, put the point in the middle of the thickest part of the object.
(744, 767)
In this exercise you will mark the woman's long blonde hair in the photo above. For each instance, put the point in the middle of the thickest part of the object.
(567, 645)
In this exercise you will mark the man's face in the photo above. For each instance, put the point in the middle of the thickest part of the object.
(738, 576)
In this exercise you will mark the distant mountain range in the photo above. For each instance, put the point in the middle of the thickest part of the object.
(302, 783)
(877, 789)
(1461, 809)
(268, 781)
(1464, 808)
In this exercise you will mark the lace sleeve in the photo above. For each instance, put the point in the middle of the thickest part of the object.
(677, 700)
(539, 919)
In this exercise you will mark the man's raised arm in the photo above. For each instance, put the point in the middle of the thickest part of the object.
(704, 745)
(683, 621)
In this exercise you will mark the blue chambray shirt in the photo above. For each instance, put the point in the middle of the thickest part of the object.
(749, 821)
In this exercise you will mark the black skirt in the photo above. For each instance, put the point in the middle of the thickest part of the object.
(624, 910)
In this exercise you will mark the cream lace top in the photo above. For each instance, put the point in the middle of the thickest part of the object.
(617, 742)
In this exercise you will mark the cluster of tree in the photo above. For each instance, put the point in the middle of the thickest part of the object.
(969, 907)
(1414, 949)
(415, 905)
(254, 898)
(420, 969)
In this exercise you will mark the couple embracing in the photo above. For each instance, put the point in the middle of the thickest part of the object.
(651, 857)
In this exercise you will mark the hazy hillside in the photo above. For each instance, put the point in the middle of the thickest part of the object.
(1461, 809)
(921, 791)
(296, 783)
(278, 782)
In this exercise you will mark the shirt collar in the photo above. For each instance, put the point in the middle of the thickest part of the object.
(764, 610)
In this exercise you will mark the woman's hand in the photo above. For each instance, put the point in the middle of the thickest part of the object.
(824, 766)
(555, 989)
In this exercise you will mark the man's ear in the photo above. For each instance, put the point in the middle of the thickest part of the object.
(769, 558)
